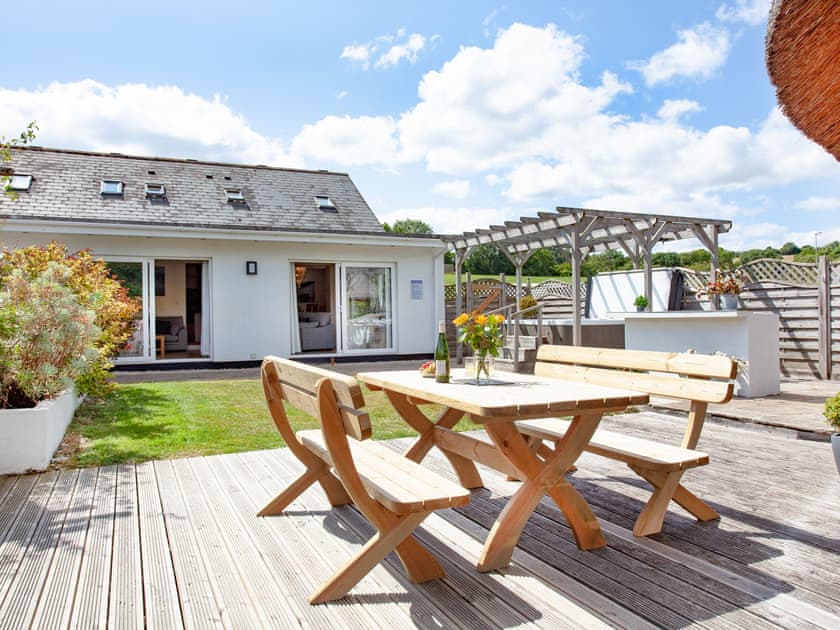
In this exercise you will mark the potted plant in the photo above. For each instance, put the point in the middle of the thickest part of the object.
(727, 287)
(641, 303)
(832, 416)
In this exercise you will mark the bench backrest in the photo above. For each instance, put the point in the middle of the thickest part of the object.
(702, 378)
(705, 377)
(297, 383)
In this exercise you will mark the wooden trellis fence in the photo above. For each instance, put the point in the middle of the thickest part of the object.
(806, 297)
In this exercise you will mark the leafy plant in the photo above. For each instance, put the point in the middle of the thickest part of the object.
(832, 411)
(95, 288)
(527, 302)
(641, 301)
(47, 336)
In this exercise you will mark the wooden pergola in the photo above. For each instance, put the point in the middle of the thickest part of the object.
(583, 231)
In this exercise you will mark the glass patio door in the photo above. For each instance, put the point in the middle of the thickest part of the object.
(136, 278)
(367, 307)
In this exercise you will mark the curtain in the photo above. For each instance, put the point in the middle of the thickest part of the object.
(294, 314)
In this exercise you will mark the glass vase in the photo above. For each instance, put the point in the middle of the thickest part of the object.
(482, 367)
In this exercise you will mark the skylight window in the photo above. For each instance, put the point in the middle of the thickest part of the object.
(111, 187)
(234, 195)
(155, 191)
(325, 204)
(19, 182)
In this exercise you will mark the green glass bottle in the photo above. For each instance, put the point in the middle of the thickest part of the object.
(442, 355)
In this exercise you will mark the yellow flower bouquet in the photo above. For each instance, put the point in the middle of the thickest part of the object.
(483, 333)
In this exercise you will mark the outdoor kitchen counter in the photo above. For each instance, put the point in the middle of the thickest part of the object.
(750, 337)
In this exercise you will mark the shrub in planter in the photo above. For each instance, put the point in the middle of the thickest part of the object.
(46, 336)
(95, 289)
(832, 416)
(640, 302)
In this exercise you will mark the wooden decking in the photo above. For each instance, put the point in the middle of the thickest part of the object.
(176, 543)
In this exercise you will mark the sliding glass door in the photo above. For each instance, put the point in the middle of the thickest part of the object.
(367, 307)
(135, 276)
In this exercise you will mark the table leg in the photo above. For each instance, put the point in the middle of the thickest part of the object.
(540, 478)
(468, 475)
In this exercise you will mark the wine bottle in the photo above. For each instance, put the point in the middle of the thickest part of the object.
(442, 355)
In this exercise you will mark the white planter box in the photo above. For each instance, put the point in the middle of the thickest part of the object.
(29, 437)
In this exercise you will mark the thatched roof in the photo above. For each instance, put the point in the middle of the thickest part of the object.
(803, 59)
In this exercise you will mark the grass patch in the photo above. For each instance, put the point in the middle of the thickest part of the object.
(145, 421)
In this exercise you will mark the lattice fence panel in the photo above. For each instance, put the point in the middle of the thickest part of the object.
(834, 273)
(781, 271)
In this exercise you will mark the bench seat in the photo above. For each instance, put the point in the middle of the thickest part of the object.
(400, 484)
(640, 452)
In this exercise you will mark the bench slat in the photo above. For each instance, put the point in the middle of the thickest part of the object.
(398, 483)
(662, 384)
(689, 364)
(631, 450)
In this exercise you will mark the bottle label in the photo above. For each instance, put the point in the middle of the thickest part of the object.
(440, 368)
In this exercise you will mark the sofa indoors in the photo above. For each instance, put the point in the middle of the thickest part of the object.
(317, 331)
(174, 332)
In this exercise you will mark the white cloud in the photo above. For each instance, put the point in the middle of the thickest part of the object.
(753, 12)
(359, 53)
(389, 50)
(342, 95)
(698, 53)
(807, 238)
(673, 109)
(489, 108)
(456, 188)
(492, 179)
(407, 50)
(819, 204)
(348, 141)
(139, 119)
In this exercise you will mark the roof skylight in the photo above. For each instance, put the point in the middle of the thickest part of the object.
(155, 191)
(325, 204)
(234, 195)
(111, 187)
(19, 182)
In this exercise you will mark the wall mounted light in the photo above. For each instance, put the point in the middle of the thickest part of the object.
(251, 267)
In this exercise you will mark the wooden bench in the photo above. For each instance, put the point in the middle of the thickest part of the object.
(394, 493)
(699, 378)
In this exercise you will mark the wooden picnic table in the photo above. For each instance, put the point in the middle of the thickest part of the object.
(496, 407)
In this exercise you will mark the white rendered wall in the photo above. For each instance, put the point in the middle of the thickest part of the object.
(252, 315)
(615, 292)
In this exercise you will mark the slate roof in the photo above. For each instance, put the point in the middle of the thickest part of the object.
(66, 187)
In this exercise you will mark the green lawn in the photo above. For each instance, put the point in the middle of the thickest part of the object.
(146, 421)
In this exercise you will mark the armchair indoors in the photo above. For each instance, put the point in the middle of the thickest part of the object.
(174, 332)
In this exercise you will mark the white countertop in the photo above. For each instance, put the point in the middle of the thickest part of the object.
(699, 315)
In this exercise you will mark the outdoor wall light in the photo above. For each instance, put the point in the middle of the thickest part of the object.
(251, 267)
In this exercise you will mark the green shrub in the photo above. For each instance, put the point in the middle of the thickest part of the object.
(47, 339)
(641, 301)
(95, 288)
(527, 302)
(832, 411)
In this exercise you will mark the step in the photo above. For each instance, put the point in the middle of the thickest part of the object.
(506, 365)
(525, 341)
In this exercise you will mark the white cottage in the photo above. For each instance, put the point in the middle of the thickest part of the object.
(234, 262)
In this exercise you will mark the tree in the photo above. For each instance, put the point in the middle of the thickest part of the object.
(756, 254)
(408, 226)
(488, 259)
(542, 262)
(666, 259)
(6, 146)
(789, 249)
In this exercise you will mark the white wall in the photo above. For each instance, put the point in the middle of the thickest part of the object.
(615, 291)
(251, 315)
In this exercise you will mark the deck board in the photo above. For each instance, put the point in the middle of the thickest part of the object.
(177, 543)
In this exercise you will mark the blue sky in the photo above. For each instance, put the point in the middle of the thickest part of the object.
(463, 114)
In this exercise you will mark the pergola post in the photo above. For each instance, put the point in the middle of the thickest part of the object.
(709, 239)
(460, 255)
(574, 255)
